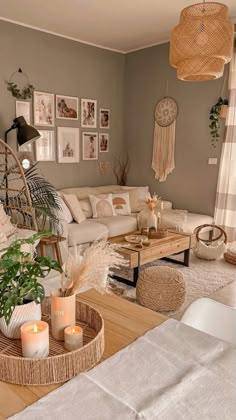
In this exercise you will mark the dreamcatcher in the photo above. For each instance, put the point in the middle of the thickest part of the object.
(164, 137)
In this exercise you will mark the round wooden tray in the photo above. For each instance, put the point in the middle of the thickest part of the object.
(60, 365)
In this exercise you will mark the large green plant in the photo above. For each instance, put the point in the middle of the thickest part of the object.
(214, 120)
(19, 274)
(45, 199)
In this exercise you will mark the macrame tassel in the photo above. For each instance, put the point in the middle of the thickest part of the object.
(163, 151)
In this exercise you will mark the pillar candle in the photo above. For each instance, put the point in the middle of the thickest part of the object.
(73, 337)
(35, 339)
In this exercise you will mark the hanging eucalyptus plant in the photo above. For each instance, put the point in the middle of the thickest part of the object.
(214, 120)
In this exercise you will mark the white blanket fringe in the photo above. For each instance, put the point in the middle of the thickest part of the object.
(163, 151)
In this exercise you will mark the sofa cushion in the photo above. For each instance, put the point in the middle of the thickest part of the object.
(74, 206)
(102, 205)
(64, 214)
(138, 197)
(118, 225)
(83, 192)
(85, 232)
(86, 207)
(6, 227)
(121, 203)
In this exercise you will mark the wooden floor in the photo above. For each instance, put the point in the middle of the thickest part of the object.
(226, 295)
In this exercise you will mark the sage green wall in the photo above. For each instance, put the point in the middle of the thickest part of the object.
(192, 185)
(58, 65)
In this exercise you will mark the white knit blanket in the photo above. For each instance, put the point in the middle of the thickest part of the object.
(171, 373)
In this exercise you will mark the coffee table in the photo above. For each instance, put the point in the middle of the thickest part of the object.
(173, 243)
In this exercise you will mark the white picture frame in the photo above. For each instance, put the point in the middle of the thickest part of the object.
(104, 118)
(44, 109)
(23, 110)
(88, 113)
(90, 146)
(68, 145)
(45, 146)
(67, 107)
(104, 142)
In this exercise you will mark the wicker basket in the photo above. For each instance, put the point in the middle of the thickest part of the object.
(60, 365)
(230, 257)
(210, 249)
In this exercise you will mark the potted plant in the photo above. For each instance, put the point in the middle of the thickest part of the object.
(20, 290)
(217, 111)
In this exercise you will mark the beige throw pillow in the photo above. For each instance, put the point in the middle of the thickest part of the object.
(102, 205)
(86, 207)
(64, 214)
(121, 203)
(6, 227)
(73, 203)
(138, 197)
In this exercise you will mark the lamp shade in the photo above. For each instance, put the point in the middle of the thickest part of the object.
(25, 133)
(202, 43)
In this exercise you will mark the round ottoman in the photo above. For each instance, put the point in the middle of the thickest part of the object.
(161, 289)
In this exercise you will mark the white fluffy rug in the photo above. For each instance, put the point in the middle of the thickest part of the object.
(202, 278)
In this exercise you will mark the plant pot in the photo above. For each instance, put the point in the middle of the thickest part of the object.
(223, 111)
(62, 313)
(21, 314)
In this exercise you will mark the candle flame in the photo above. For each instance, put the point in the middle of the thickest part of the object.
(73, 330)
(35, 328)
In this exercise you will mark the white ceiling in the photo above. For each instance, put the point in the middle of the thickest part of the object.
(121, 25)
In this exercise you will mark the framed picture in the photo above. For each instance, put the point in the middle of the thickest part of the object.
(44, 109)
(89, 113)
(45, 146)
(68, 144)
(90, 146)
(66, 107)
(23, 110)
(103, 142)
(104, 118)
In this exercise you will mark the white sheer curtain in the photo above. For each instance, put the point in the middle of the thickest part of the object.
(225, 210)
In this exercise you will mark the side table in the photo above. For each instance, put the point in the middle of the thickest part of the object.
(54, 242)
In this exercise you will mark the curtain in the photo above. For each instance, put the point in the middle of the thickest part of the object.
(225, 210)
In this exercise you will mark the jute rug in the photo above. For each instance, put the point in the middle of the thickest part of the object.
(202, 278)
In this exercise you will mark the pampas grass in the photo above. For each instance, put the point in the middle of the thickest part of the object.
(92, 268)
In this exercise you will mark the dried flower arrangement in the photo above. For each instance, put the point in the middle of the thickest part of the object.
(153, 201)
(91, 268)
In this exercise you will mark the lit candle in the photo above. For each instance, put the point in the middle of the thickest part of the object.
(162, 206)
(35, 339)
(73, 336)
(158, 220)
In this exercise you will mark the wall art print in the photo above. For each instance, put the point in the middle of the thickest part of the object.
(90, 146)
(66, 107)
(88, 113)
(68, 144)
(44, 109)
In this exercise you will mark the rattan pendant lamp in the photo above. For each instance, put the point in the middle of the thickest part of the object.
(202, 43)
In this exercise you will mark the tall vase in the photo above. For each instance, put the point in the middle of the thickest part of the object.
(63, 313)
(152, 221)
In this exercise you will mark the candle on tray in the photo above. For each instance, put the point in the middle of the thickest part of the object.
(35, 339)
(158, 220)
(73, 336)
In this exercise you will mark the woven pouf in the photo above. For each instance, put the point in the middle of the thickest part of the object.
(161, 289)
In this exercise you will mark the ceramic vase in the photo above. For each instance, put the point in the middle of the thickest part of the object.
(152, 221)
(21, 314)
(63, 313)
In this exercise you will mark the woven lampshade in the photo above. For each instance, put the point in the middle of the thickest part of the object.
(202, 43)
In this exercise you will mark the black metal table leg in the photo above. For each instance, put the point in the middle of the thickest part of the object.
(126, 281)
(186, 257)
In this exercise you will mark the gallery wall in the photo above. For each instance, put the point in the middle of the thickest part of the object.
(65, 67)
(192, 185)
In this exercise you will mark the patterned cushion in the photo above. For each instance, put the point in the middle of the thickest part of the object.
(102, 205)
(6, 226)
(121, 203)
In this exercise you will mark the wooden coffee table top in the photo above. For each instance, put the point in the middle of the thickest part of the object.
(158, 248)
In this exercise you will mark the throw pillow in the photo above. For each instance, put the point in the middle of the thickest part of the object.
(138, 197)
(74, 206)
(6, 227)
(86, 207)
(102, 205)
(121, 203)
(64, 214)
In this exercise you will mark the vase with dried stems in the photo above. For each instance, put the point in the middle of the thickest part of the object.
(121, 169)
(153, 220)
(88, 270)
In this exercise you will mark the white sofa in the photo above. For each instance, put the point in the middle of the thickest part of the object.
(87, 231)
